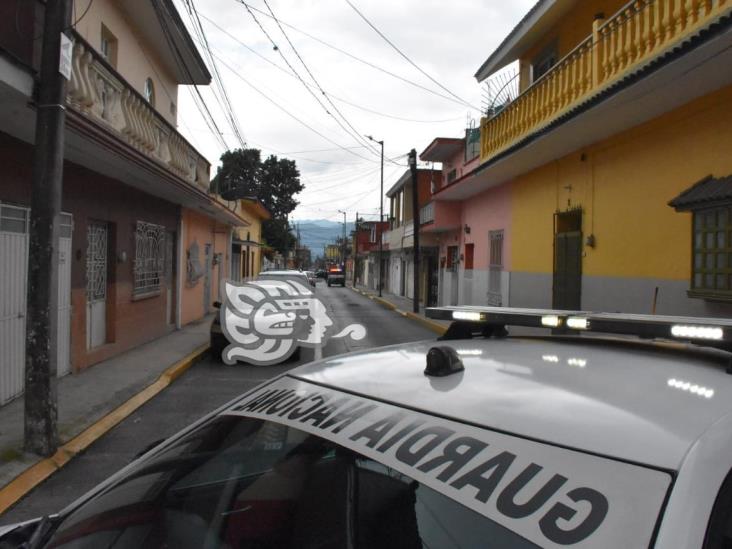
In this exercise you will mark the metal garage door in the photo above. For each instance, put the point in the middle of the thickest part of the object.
(13, 289)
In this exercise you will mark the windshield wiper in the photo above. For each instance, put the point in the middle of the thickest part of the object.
(44, 527)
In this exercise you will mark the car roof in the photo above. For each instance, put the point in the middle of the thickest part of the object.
(282, 273)
(636, 402)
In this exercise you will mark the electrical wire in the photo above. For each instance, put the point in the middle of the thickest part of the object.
(381, 34)
(356, 133)
(179, 60)
(317, 99)
(288, 113)
(356, 58)
(223, 98)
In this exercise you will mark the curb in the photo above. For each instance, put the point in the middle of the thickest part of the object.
(36, 474)
(436, 327)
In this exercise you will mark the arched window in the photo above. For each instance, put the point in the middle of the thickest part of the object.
(150, 91)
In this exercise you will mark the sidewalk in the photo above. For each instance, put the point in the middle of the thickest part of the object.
(94, 401)
(403, 306)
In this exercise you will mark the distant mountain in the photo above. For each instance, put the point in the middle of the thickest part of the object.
(316, 233)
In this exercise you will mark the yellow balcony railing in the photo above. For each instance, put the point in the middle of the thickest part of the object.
(638, 33)
(98, 92)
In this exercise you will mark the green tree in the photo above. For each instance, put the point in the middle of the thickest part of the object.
(275, 182)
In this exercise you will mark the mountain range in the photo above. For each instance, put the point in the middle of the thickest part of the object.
(316, 233)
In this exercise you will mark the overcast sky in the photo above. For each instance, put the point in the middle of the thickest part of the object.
(447, 40)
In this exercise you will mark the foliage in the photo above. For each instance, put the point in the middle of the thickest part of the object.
(274, 181)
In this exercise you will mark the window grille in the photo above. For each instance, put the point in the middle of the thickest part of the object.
(149, 258)
(712, 263)
(13, 219)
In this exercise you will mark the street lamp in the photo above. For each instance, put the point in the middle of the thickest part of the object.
(343, 244)
(381, 209)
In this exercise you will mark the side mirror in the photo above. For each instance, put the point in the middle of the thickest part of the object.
(217, 304)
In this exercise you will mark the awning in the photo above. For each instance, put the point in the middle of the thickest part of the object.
(707, 192)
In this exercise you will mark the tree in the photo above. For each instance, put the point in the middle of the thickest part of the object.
(275, 182)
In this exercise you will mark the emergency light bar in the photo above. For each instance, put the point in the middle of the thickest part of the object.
(706, 331)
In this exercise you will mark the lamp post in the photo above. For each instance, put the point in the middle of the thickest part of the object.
(381, 210)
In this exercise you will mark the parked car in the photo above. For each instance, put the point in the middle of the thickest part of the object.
(320, 273)
(480, 439)
(336, 276)
(312, 278)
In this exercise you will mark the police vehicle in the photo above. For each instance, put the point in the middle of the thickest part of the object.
(560, 437)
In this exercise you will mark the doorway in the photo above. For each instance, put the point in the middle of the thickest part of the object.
(97, 237)
(567, 280)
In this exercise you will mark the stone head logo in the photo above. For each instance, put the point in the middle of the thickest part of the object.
(266, 320)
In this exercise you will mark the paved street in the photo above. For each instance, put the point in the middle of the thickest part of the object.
(205, 386)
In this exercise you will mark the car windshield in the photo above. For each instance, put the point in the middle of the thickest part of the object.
(243, 482)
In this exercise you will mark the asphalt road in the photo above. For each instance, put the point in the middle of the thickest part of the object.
(205, 386)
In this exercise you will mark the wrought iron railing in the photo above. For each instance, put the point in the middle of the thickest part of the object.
(638, 33)
(427, 213)
(98, 92)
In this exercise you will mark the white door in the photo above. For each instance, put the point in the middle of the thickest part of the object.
(96, 285)
(64, 295)
(13, 289)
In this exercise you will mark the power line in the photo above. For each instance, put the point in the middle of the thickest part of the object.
(223, 98)
(370, 24)
(288, 113)
(317, 99)
(356, 58)
(179, 60)
(356, 133)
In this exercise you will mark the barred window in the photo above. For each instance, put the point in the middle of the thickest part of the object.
(712, 262)
(149, 258)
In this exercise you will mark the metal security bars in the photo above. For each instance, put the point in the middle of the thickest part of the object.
(149, 263)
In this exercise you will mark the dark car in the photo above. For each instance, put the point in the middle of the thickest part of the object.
(336, 276)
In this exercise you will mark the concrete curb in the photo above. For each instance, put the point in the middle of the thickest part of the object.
(34, 475)
(436, 327)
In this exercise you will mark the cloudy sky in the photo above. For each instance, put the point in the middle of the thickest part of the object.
(346, 94)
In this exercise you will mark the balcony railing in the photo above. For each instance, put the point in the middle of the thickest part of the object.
(99, 93)
(639, 32)
(427, 213)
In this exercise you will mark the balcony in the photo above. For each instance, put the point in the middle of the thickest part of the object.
(427, 214)
(642, 32)
(100, 94)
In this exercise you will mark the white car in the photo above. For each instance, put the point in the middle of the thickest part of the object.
(478, 440)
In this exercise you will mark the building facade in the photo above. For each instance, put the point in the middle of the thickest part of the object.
(611, 185)
(130, 180)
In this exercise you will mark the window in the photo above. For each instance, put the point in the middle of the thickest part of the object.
(149, 258)
(240, 482)
(372, 235)
(451, 176)
(452, 258)
(712, 261)
(543, 62)
(109, 47)
(150, 91)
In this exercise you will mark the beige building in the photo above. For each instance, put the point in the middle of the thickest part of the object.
(247, 244)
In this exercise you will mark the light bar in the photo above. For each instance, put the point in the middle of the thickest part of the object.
(467, 315)
(577, 323)
(714, 332)
(551, 321)
(697, 332)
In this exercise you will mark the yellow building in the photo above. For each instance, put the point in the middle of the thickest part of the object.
(246, 246)
(333, 252)
(623, 108)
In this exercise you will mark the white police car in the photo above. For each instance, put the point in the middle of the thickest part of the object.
(478, 440)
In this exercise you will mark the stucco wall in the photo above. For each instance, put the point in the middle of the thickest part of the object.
(622, 186)
(202, 230)
(136, 60)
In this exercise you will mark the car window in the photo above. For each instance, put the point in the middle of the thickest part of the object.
(242, 482)
(719, 531)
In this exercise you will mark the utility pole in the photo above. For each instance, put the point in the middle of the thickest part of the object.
(287, 238)
(415, 219)
(343, 244)
(379, 230)
(41, 397)
(354, 250)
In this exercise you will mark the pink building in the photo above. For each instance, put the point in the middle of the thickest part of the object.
(473, 261)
